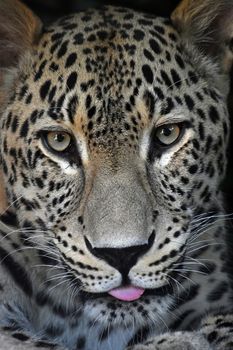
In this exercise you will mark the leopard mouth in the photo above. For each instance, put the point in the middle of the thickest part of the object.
(155, 292)
(129, 293)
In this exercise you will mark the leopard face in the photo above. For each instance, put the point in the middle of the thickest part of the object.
(113, 141)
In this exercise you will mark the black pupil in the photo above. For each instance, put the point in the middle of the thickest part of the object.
(59, 138)
(167, 130)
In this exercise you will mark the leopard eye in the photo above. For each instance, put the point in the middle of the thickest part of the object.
(168, 134)
(58, 141)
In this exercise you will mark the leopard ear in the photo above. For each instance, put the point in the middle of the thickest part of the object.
(209, 25)
(19, 31)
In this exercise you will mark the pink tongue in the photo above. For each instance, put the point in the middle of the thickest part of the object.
(128, 293)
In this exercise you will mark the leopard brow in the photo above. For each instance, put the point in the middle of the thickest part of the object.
(172, 120)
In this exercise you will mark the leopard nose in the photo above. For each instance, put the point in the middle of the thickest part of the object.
(122, 259)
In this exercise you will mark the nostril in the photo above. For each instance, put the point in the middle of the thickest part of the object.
(88, 245)
(151, 239)
(122, 259)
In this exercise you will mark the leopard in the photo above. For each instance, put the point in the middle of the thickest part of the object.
(114, 232)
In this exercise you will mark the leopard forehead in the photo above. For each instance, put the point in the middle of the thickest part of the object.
(108, 74)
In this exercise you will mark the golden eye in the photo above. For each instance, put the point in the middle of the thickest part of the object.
(59, 141)
(168, 134)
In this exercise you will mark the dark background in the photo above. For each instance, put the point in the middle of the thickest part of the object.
(50, 10)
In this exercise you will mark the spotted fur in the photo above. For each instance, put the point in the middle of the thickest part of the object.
(117, 208)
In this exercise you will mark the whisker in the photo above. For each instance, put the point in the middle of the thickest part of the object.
(206, 245)
(187, 278)
(10, 205)
(178, 284)
(189, 270)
